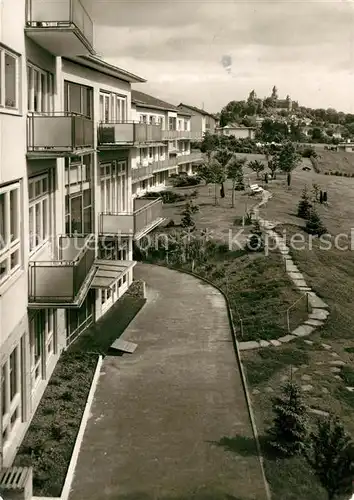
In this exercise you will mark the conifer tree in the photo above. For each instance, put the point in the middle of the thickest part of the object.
(314, 225)
(332, 457)
(304, 206)
(289, 431)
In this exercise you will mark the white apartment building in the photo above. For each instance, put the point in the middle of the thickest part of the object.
(154, 162)
(67, 215)
(201, 120)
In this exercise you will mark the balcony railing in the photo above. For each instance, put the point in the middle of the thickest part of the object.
(63, 282)
(188, 158)
(62, 27)
(176, 134)
(146, 216)
(123, 133)
(142, 172)
(59, 134)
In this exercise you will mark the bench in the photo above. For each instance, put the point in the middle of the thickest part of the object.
(255, 188)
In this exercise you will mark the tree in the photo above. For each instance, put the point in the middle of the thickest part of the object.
(235, 173)
(304, 206)
(332, 457)
(288, 157)
(314, 225)
(189, 210)
(273, 131)
(273, 166)
(223, 155)
(289, 431)
(212, 172)
(257, 166)
(209, 143)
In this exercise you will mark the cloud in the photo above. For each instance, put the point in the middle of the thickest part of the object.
(294, 44)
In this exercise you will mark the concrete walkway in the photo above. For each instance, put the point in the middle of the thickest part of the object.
(159, 414)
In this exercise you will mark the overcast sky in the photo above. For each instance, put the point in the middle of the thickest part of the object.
(305, 48)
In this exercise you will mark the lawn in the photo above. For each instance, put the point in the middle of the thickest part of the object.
(50, 439)
(336, 161)
(317, 366)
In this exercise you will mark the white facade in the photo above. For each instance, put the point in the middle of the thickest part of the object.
(66, 207)
(153, 164)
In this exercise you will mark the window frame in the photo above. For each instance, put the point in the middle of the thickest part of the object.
(110, 111)
(46, 218)
(32, 69)
(4, 51)
(11, 405)
(113, 186)
(10, 246)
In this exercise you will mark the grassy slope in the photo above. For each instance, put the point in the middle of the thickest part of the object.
(331, 274)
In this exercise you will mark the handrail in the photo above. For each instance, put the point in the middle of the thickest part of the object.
(141, 209)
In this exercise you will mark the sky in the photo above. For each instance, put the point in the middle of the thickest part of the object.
(305, 48)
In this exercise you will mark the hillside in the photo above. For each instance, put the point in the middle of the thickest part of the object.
(339, 161)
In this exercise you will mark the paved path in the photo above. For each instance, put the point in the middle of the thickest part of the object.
(159, 413)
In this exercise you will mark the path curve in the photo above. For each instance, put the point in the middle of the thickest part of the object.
(159, 415)
(319, 309)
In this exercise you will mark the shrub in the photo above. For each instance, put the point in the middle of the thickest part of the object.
(171, 197)
(255, 242)
(170, 223)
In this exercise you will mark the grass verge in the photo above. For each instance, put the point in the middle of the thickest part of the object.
(50, 439)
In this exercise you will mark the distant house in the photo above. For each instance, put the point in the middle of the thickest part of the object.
(348, 146)
(201, 121)
(238, 131)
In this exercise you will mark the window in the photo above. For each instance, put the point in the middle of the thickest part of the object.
(143, 118)
(78, 199)
(113, 186)
(40, 90)
(113, 107)
(11, 393)
(42, 343)
(78, 99)
(10, 255)
(9, 79)
(40, 209)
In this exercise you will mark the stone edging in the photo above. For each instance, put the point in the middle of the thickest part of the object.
(85, 416)
(240, 365)
(319, 309)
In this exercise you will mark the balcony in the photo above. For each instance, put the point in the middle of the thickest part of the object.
(144, 171)
(59, 134)
(115, 134)
(63, 27)
(63, 283)
(168, 135)
(147, 216)
(196, 156)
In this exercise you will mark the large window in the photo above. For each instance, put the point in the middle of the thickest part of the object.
(112, 249)
(11, 394)
(42, 343)
(40, 209)
(113, 186)
(78, 199)
(9, 79)
(10, 252)
(113, 107)
(78, 99)
(40, 90)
